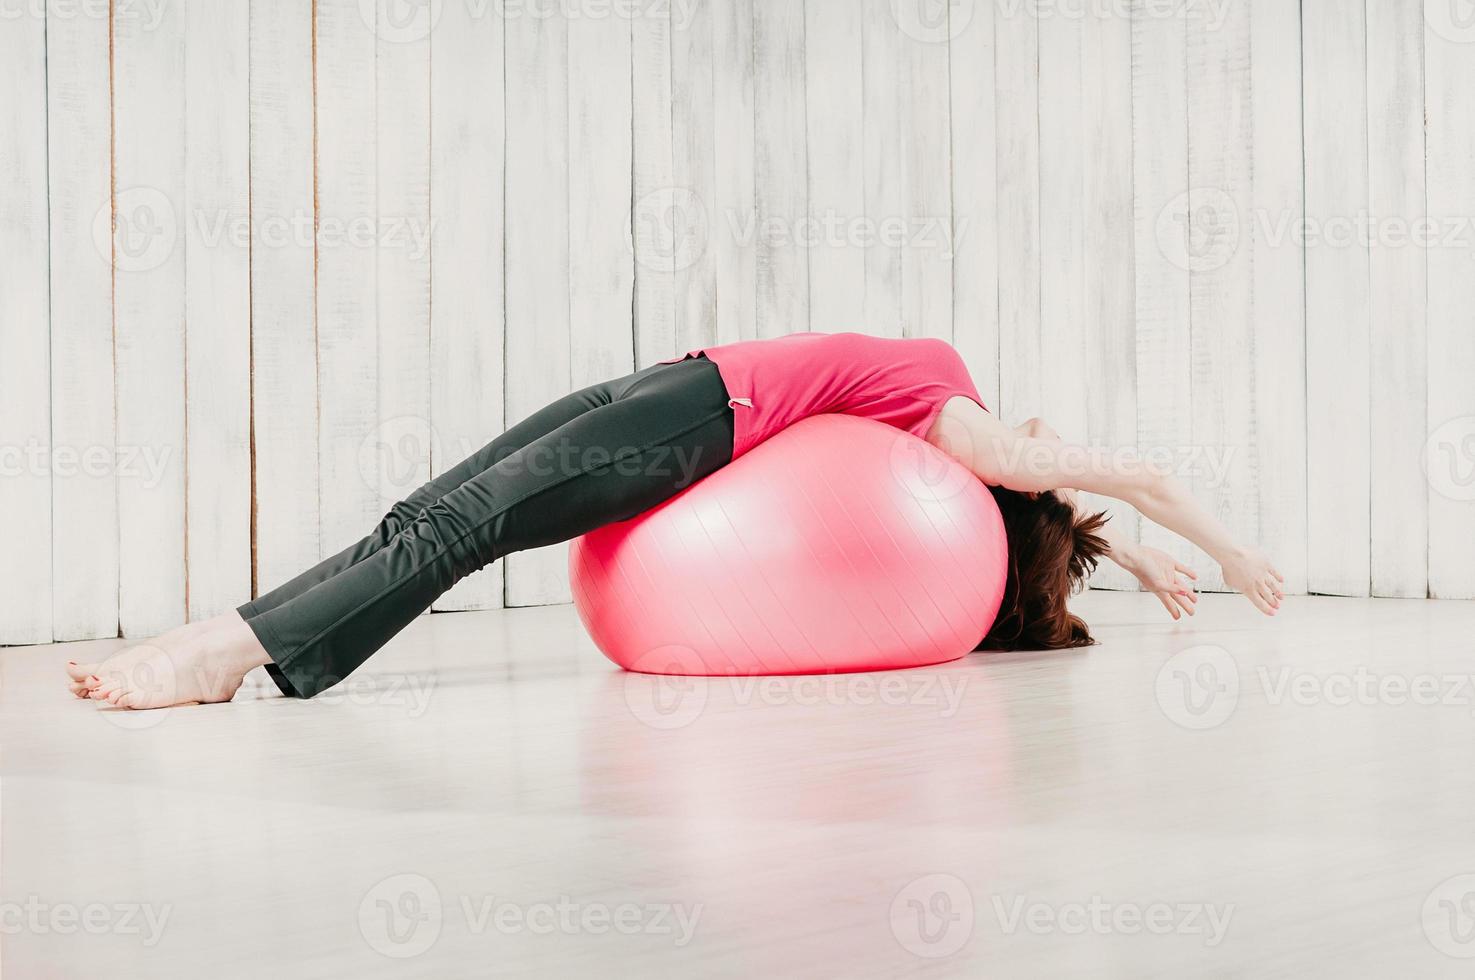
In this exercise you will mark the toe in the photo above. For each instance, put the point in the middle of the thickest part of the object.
(132, 699)
(78, 672)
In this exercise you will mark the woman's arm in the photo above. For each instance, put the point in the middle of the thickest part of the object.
(1029, 463)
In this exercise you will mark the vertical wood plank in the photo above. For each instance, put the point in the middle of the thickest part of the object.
(882, 120)
(1450, 445)
(732, 220)
(467, 329)
(1398, 357)
(1109, 309)
(149, 148)
(402, 255)
(601, 276)
(1219, 463)
(284, 355)
(780, 169)
(662, 211)
(352, 446)
(1279, 286)
(694, 125)
(1016, 69)
(1337, 352)
(834, 106)
(26, 450)
(537, 258)
(1160, 220)
(1058, 369)
(84, 546)
(927, 256)
(217, 306)
(975, 200)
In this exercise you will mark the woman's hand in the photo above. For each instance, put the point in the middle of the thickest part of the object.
(1160, 574)
(1250, 572)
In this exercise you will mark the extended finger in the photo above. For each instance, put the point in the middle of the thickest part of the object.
(1168, 605)
(1186, 570)
(1184, 602)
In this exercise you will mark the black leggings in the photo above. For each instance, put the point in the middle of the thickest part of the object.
(600, 455)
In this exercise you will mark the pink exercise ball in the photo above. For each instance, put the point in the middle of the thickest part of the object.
(840, 544)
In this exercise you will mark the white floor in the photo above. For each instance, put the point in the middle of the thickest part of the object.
(1287, 798)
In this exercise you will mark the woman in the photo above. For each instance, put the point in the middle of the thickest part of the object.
(611, 451)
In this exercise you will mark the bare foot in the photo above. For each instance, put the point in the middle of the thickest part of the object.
(82, 677)
(205, 668)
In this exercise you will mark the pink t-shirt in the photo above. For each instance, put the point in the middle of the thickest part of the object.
(775, 383)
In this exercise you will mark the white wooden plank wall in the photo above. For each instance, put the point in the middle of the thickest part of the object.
(467, 330)
(274, 264)
(217, 306)
(149, 153)
(1278, 312)
(25, 370)
(1449, 100)
(84, 600)
(284, 335)
(537, 258)
(1108, 313)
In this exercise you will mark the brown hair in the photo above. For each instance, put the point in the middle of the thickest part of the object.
(1052, 550)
